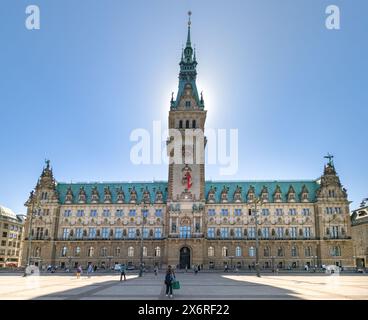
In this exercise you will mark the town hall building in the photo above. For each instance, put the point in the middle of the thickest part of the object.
(187, 220)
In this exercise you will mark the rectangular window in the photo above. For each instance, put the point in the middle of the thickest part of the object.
(307, 232)
(79, 233)
(211, 212)
(306, 212)
(279, 212)
(118, 233)
(265, 233)
(335, 232)
(225, 212)
(93, 213)
(293, 232)
(238, 212)
(158, 233)
(280, 232)
(132, 213)
(329, 210)
(66, 232)
(131, 233)
(80, 213)
(211, 232)
(238, 232)
(158, 212)
(224, 233)
(92, 233)
(67, 213)
(106, 213)
(265, 212)
(184, 232)
(145, 232)
(251, 232)
(292, 212)
(119, 213)
(105, 233)
(338, 210)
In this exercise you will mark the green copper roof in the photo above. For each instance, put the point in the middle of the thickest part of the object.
(152, 187)
(311, 185)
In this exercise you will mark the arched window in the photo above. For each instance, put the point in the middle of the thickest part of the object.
(130, 252)
(187, 124)
(90, 252)
(181, 124)
(194, 125)
(144, 251)
(294, 251)
(46, 232)
(64, 251)
(104, 252)
(266, 252)
(157, 252)
(211, 251)
(252, 251)
(225, 252)
(280, 252)
(77, 251)
(238, 252)
(308, 251)
(117, 252)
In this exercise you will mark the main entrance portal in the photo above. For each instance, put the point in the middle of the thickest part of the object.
(184, 258)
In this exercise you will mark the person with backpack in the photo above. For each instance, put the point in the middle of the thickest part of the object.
(169, 278)
(122, 272)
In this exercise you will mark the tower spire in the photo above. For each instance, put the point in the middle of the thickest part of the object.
(189, 23)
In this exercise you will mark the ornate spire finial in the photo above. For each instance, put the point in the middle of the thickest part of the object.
(189, 23)
(329, 157)
(47, 163)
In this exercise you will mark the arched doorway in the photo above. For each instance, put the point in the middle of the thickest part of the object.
(184, 258)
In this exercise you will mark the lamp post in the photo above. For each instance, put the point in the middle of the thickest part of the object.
(141, 260)
(273, 263)
(32, 199)
(257, 201)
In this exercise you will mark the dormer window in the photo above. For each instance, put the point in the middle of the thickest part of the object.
(187, 104)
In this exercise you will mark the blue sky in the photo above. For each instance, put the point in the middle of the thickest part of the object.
(75, 89)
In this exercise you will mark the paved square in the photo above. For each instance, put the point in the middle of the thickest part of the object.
(193, 287)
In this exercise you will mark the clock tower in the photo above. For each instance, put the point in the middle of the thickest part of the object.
(186, 147)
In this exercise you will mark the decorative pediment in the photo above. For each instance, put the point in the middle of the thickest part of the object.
(120, 195)
(264, 194)
(237, 197)
(224, 194)
(251, 194)
(291, 194)
(82, 197)
(211, 195)
(159, 196)
(133, 195)
(95, 196)
(277, 196)
(146, 196)
(107, 195)
(304, 195)
(69, 196)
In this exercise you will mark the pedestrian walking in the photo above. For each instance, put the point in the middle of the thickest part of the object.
(122, 272)
(79, 271)
(156, 270)
(169, 278)
(95, 268)
(195, 269)
(89, 270)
